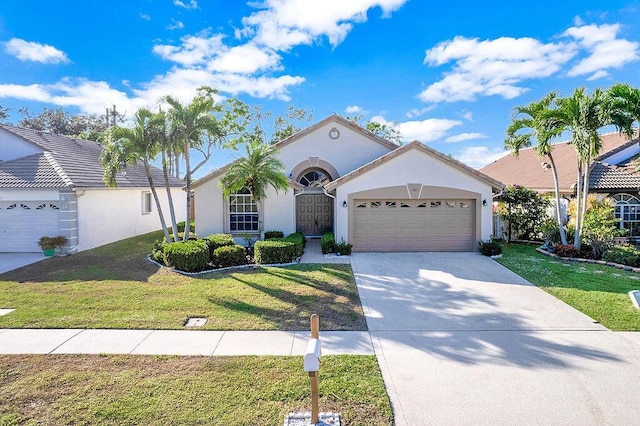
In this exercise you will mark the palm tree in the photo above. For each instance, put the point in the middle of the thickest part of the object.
(168, 146)
(625, 102)
(582, 115)
(533, 117)
(130, 145)
(189, 124)
(255, 172)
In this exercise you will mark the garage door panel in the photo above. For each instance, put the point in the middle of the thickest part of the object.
(414, 225)
(22, 223)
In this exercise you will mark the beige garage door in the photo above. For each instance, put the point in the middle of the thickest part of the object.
(22, 223)
(413, 225)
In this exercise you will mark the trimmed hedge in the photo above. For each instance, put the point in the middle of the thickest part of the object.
(297, 239)
(623, 254)
(181, 226)
(215, 241)
(490, 248)
(327, 243)
(188, 256)
(273, 251)
(192, 236)
(269, 235)
(343, 247)
(226, 256)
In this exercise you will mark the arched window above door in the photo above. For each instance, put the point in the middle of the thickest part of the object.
(314, 178)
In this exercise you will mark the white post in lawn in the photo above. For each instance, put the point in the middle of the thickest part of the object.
(312, 365)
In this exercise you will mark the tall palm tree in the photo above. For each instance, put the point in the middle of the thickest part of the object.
(528, 123)
(130, 145)
(168, 146)
(255, 172)
(583, 115)
(189, 124)
(625, 102)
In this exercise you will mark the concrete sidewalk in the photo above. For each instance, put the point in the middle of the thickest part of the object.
(179, 342)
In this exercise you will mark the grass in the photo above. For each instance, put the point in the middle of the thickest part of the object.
(114, 286)
(597, 290)
(114, 390)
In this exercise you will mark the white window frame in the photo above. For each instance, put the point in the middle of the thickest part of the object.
(243, 204)
(627, 211)
(147, 203)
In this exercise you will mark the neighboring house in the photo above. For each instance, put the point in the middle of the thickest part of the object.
(611, 175)
(368, 191)
(52, 185)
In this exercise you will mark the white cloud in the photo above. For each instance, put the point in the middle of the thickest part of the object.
(35, 52)
(479, 156)
(415, 112)
(194, 49)
(605, 49)
(465, 137)
(491, 67)
(175, 25)
(597, 75)
(467, 115)
(145, 16)
(282, 24)
(245, 59)
(192, 4)
(428, 130)
(353, 109)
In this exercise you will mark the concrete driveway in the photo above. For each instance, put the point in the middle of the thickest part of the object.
(462, 340)
(11, 261)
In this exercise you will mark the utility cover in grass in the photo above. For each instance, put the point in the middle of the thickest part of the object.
(5, 311)
(195, 322)
(304, 419)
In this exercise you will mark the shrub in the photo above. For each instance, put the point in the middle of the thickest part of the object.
(192, 236)
(327, 243)
(298, 239)
(215, 241)
(157, 251)
(226, 256)
(181, 226)
(188, 256)
(566, 250)
(524, 210)
(624, 254)
(272, 251)
(343, 247)
(268, 235)
(490, 248)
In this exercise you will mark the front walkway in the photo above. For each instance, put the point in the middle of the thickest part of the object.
(179, 342)
(313, 254)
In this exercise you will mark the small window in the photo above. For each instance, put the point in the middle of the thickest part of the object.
(361, 206)
(436, 204)
(451, 204)
(464, 205)
(404, 205)
(25, 207)
(11, 207)
(375, 204)
(391, 204)
(243, 213)
(422, 206)
(41, 206)
(146, 202)
(54, 206)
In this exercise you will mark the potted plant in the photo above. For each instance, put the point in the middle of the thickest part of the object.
(50, 244)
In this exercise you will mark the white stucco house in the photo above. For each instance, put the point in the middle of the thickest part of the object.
(52, 185)
(369, 191)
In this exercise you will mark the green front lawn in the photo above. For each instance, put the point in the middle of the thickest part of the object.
(116, 287)
(597, 290)
(144, 390)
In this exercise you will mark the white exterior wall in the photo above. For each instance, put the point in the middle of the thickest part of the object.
(413, 166)
(108, 215)
(210, 208)
(279, 211)
(350, 151)
(12, 147)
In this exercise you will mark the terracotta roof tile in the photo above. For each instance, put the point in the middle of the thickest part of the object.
(529, 170)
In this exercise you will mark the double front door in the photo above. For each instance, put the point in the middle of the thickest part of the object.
(314, 214)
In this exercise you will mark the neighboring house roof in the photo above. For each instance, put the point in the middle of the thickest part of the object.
(410, 146)
(611, 177)
(67, 162)
(531, 171)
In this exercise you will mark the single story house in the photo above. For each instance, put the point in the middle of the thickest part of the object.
(53, 185)
(612, 174)
(369, 191)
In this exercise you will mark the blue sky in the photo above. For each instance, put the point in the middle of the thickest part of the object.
(448, 76)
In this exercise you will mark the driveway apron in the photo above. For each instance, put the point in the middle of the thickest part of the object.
(462, 340)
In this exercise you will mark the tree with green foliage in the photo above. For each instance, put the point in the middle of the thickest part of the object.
(188, 125)
(582, 116)
(130, 145)
(4, 113)
(528, 123)
(524, 210)
(60, 122)
(255, 172)
(291, 122)
(388, 131)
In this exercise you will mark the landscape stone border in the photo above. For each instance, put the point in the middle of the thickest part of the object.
(593, 261)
